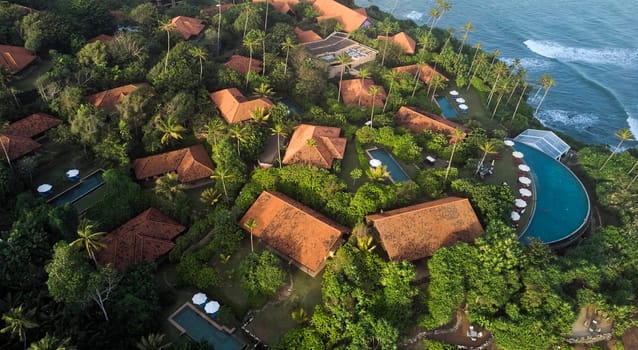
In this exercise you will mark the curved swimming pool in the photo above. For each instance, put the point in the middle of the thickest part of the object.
(562, 204)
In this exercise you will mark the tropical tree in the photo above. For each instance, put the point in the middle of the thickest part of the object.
(210, 196)
(17, 321)
(344, 60)
(455, 138)
(437, 82)
(288, 44)
(170, 129)
(200, 54)
(266, 16)
(169, 187)
(153, 341)
(420, 63)
(488, 147)
(373, 90)
(467, 28)
(167, 26)
(248, 10)
(392, 76)
(500, 69)
(215, 129)
(251, 40)
(263, 90)
(379, 173)
(88, 239)
(251, 224)
(4, 125)
(386, 26)
(518, 103)
(51, 342)
(259, 115)
(355, 174)
(364, 73)
(261, 38)
(238, 132)
(364, 244)
(222, 175)
(623, 135)
(633, 179)
(300, 316)
(279, 130)
(478, 62)
(427, 41)
(546, 83)
(219, 25)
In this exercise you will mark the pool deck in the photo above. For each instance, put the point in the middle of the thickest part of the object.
(219, 327)
(78, 183)
(391, 157)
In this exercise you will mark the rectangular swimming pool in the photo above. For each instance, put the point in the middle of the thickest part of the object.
(199, 328)
(397, 174)
(79, 190)
(446, 108)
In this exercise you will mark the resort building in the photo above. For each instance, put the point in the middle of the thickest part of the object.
(15, 58)
(146, 237)
(192, 165)
(417, 121)
(187, 27)
(348, 18)
(334, 44)
(426, 74)
(241, 63)
(212, 11)
(418, 231)
(306, 36)
(294, 231)
(234, 107)
(545, 141)
(402, 40)
(315, 145)
(102, 38)
(18, 139)
(108, 99)
(287, 7)
(356, 92)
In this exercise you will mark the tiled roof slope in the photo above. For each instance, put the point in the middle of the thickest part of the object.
(306, 36)
(348, 18)
(145, 237)
(282, 6)
(353, 88)
(32, 125)
(426, 75)
(418, 121)
(110, 98)
(402, 40)
(417, 231)
(17, 146)
(234, 107)
(187, 27)
(15, 58)
(102, 37)
(328, 146)
(294, 230)
(190, 164)
(240, 64)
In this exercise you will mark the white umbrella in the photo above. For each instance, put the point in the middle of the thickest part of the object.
(375, 163)
(508, 143)
(525, 180)
(519, 203)
(44, 188)
(199, 298)
(211, 307)
(517, 154)
(515, 216)
(463, 107)
(523, 167)
(454, 93)
(460, 100)
(73, 173)
(525, 192)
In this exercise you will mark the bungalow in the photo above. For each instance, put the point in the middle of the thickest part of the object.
(18, 138)
(212, 11)
(192, 165)
(294, 231)
(17, 146)
(108, 99)
(104, 38)
(287, 7)
(402, 40)
(336, 43)
(356, 92)
(348, 18)
(306, 36)
(15, 58)
(187, 27)
(146, 237)
(316, 145)
(418, 231)
(234, 107)
(241, 63)
(426, 74)
(417, 121)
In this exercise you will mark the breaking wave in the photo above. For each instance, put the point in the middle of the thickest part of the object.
(615, 56)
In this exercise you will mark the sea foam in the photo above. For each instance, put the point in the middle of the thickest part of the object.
(562, 118)
(529, 63)
(414, 15)
(615, 56)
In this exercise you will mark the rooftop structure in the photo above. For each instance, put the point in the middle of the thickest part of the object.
(191, 164)
(294, 231)
(102, 37)
(33, 125)
(240, 64)
(234, 107)
(17, 146)
(110, 98)
(348, 18)
(306, 36)
(187, 27)
(545, 141)
(329, 48)
(356, 92)
(426, 74)
(417, 231)
(287, 7)
(15, 58)
(316, 145)
(402, 40)
(417, 121)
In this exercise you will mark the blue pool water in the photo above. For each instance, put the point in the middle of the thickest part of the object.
(200, 329)
(81, 189)
(562, 204)
(397, 174)
(447, 109)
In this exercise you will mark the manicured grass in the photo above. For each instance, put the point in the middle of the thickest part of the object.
(476, 109)
(350, 162)
(28, 83)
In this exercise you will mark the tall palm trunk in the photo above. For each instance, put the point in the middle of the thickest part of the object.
(266, 19)
(520, 98)
(279, 150)
(518, 81)
(416, 81)
(286, 65)
(489, 99)
(449, 165)
(219, 28)
(250, 63)
(498, 102)
(168, 50)
(387, 97)
(6, 154)
(542, 99)
(343, 68)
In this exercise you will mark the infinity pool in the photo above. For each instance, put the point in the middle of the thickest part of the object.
(199, 328)
(562, 205)
(81, 189)
(397, 174)
(446, 108)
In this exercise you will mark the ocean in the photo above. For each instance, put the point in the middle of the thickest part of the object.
(589, 47)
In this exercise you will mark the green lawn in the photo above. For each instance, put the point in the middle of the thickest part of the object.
(350, 162)
(28, 82)
(476, 109)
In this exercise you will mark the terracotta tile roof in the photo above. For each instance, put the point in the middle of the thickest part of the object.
(187, 27)
(349, 18)
(234, 107)
(190, 164)
(353, 88)
(294, 230)
(417, 231)
(110, 98)
(15, 58)
(306, 36)
(32, 125)
(102, 37)
(361, 10)
(426, 75)
(328, 146)
(145, 237)
(240, 64)
(402, 40)
(282, 6)
(417, 121)
(211, 11)
(17, 146)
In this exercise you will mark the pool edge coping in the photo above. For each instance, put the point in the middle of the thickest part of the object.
(78, 184)
(391, 156)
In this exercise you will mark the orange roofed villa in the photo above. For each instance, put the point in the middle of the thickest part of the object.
(17, 139)
(306, 36)
(192, 165)
(315, 145)
(417, 121)
(241, 63)
(15, 58)
(294, 231)
(356, 92)
(110, 98)
(187, 27)
(234, 107)
(402, 40)
(146, 237)
(418, 231)
(426, 74)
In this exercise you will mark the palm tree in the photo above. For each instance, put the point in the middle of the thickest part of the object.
(222, 175)
(4, 125)
(215, 129)
(488, 148)
(169, 186)
(261, 38)
(263, 90)
(499, 70)
(300, 316)
(467, 28)
(279, 130)
(259, 115)
(251, 224)
(210, 196)
(250, 41)
(266, 16)
(455, 139)
(219, 25)
(436, 83)
(546, 83)
(386, 26)
(520, 98)
(248, 11)
(365, 245)
(50, 342)
(427, 41)
(392, 76)
(501, 92)
(479, 61)
(17, 322)
(420, 63)
(344, 60)
(88, 239)
(633, 179)
(153, 341)
(379, 173)
(355, 174)
(200, 54)
(373, 90)
(170, 129)
(287, 45)
(167, 26)
(624, 135)
(364, 73)
(238, 132)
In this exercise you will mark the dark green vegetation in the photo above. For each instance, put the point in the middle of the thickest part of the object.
(53, 291)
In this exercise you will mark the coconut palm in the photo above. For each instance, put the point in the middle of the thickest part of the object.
(379, 173)
(266, 16)
(248, 10)
(222, 175)
(500, 69)
(355, 174)
(521, 76)
(170, 129)
(169, 186)
(427, 41)
(392, 76)
(546, 83)
(386, 26)
(219, 25)
(623, 135)
(364, 244)
(167, 26)
(373, 90)
(288, 44)
(4, 125)
(520, 98)
(210, 196)
(251, 224)
(300, 316)
(200, 54)
(259, 115)
(455, 138)
(153, 341)
(633, 179)
(364, 73)
(50, 342)
(215, 129)
(436, 83)
(420, 63)
(238, 132)
(479, 61)
(88, 239)
(263, 90)
(261, 38)
(488, 148)
(279, 130)
(251, 40)
(17, 322)
(433, 14)
(344, 60)
(467, 28)
(501, 92)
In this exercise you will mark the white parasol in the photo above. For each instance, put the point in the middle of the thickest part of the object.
(525, 192)
(463, 107)
(454, 93)
(525, 180)
(523, 167)
(515, 216)
(517, 154)
(375, 163)
(460, 100)
(211, 307)
(44, 188)
(73, 173)
(199, 298)
(508, 143)
(519, 203)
